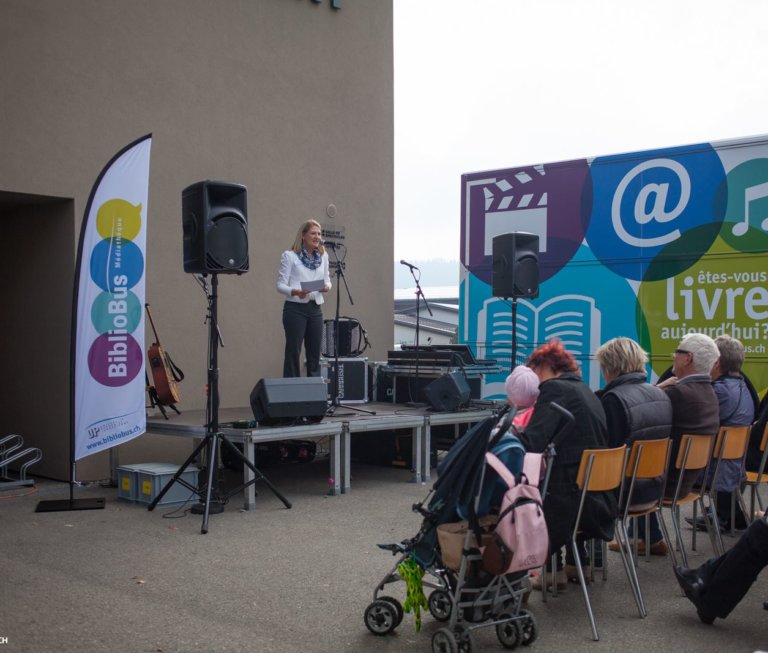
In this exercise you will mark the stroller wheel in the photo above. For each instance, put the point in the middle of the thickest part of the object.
(528, 628)
(396, 605)
(508, 632)
(444, 641)
(440, 605)
(380, 617)
(464, 638)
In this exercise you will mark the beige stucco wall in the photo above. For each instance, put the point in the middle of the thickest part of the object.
(291, 98)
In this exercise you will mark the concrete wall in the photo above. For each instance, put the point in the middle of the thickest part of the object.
(291, 98)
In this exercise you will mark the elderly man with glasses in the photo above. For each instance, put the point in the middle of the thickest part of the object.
(695, 407)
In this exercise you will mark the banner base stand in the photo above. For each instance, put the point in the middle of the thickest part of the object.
(59, 505)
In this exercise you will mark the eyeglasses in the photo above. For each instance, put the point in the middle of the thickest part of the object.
(680, 351)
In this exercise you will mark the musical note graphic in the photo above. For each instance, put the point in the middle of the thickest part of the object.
(750, 195)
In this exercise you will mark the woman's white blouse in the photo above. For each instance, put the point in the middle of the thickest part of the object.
(293, 272)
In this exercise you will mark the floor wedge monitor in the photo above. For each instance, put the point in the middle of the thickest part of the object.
(448, 392)
(280, 401)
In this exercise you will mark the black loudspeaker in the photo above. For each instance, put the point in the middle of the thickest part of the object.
(277, 401)
(215, 222)
(448, 393)
(516, 265)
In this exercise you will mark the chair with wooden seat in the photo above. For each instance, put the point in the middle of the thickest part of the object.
(758, 477)
(600, 470)
(730, 445)
(693, 458)
(648, 460)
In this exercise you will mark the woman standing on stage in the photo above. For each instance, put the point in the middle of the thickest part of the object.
(305, 262)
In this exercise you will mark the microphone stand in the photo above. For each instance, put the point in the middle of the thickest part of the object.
(419, 297)
(339, 272)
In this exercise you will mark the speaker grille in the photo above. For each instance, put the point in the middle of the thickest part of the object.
(227, 244)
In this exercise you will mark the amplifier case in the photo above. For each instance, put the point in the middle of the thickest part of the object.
(353, 379)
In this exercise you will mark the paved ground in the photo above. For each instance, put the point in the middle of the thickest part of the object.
(277, 580)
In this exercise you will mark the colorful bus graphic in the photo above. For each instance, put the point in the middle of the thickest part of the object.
(650, 245)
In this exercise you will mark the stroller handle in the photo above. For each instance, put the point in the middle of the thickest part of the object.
(569, 419)
(563, 411)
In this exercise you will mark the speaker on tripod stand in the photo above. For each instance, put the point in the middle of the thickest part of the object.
(215, 230)
(515, 273)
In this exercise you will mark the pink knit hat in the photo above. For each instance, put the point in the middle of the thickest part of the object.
(522, 386)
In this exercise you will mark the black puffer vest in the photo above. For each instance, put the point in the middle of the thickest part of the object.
(647, 408)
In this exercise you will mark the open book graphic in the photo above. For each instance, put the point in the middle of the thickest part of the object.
(573, 319)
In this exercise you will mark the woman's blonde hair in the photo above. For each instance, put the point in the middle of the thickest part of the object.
(621, 356)
(304, 228)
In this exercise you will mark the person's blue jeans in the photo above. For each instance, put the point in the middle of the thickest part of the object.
(656, 534)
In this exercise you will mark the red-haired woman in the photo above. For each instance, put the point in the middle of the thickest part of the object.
(560, 382)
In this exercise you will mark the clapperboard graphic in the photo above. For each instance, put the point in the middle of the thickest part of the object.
(517, 202)
(572, 319)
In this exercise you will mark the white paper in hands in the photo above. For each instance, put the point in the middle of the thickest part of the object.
(313, 286)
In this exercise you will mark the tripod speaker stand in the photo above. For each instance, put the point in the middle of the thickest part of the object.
(211, 500)
(339, 272)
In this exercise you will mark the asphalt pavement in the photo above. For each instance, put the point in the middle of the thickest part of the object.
(284, 580)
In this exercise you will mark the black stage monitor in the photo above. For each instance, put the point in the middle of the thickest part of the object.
(279, 401)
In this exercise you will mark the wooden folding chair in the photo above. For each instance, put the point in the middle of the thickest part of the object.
(648, 459)
(730, 444)
(600, 470)
(694, 455)
(757, 478)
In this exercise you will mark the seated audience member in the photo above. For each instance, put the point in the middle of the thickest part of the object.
(718, 586)
(754, 455)
(522, 388)
(736, 408)
(634, 409)
(560, 382)
(694, 411)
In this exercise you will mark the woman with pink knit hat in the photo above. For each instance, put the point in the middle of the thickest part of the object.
(522, 388)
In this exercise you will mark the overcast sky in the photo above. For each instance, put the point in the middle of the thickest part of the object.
(487, 84)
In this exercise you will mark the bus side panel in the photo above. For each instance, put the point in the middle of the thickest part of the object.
(649, 245)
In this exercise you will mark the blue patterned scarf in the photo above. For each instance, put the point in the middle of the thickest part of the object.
(311, 263)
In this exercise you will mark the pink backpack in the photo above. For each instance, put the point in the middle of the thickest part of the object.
(520, 540)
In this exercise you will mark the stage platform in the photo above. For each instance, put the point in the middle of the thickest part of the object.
(338, 428)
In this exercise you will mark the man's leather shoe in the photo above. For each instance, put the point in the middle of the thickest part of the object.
(693, 586)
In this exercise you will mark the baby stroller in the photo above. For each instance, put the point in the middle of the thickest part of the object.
(464, 594)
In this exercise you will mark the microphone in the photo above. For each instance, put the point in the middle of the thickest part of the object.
(413, 267)
(330, 244)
